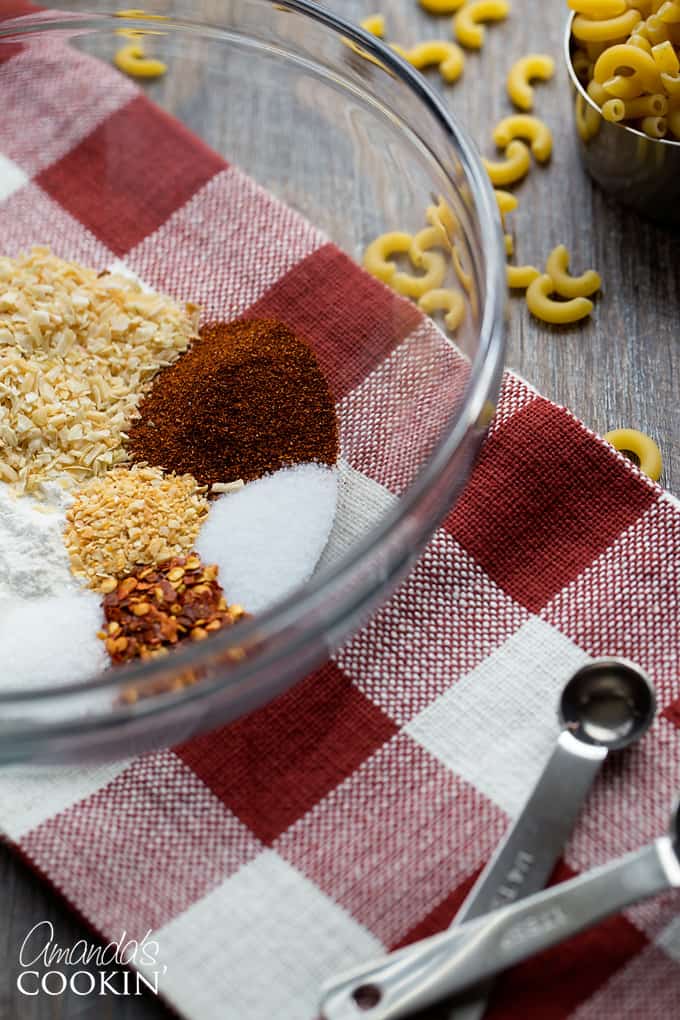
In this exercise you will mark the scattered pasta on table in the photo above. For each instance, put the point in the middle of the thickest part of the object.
(448, 57)
(522, 73)
(641, 446)
(467, 23)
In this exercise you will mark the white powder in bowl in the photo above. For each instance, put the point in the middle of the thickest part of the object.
(267, 537)
(33, 560)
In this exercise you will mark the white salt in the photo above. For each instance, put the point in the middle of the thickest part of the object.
(267, 537)
(51, 640)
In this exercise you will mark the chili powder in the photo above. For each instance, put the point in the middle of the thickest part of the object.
(247, 399)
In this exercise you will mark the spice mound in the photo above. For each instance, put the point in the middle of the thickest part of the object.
(131, 516)
(247, 399)
(154, 609)
(76, 353)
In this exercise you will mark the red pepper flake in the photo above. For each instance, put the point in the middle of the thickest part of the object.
(156, 608)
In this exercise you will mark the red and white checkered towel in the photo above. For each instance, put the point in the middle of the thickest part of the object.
(353, 813)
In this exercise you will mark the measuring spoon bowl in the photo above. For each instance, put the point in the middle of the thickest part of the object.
(609, 703)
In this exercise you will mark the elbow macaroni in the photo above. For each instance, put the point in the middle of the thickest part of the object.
(598, 8)
(375, 24)
(567, 286)
(466, 24)
(513, 168)
(377, 262)
(448, 57)
(448, 300)
(586, 30)
(443, 217)
(424, 241)
(535, 65)
(441, 6)
(507, 202)
(521, 277)
(522, 125)
(561, 313)
(133, 61)
(644, 448)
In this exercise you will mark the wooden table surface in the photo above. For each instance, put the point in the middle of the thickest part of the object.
(617, 370)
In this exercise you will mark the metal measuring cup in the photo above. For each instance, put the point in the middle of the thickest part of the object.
(641, 172)
(606, 705)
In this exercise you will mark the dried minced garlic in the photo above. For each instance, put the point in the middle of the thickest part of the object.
(131, 516)
(77, 351)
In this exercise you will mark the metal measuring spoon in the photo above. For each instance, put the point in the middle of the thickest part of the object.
(606, 705)
(446, 964)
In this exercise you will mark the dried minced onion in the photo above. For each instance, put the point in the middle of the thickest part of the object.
(77, 351)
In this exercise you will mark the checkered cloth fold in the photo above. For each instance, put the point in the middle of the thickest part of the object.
(355, 812)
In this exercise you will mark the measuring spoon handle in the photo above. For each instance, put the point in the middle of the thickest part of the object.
(446, 964)
(527, 855)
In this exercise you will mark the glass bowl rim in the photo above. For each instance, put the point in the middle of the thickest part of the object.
(485, 368)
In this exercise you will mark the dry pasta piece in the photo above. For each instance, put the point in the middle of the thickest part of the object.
(523, 125)
(441, 6)
(646, 106)
(557, 268)
(133, 61)
(614, 110)
(448, 57)
(656, 30)
(587, 30)
(655, 127)
(642, 446)
(377, 256)
(375, 24)
(443, 216)
(674, 122)
(434, 265)
(466, 24)
(671, 83)
(509, 245)
(558, 313)
(587, 119)
(378, 263)
(622, 86)
(462, 274)
(513, 168)
(598, 8)
(665, 57)
(669, 13)
(424, 241)
(535, 65)
(521, 277)
(582, 64)
(507, 202)
(598, 93)
(639, 40)
(622, 55)
(448, 300)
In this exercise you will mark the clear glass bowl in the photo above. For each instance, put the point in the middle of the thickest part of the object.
(338, 127)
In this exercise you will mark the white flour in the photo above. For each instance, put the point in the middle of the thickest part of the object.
(33, 560)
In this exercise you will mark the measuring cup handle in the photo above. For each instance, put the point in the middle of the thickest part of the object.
(448, 963)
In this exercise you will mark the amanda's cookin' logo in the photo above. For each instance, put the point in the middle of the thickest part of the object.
(49, 969)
